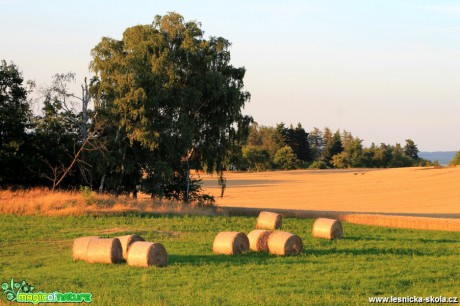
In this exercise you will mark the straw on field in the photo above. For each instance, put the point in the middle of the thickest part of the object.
(126, 242)
(425, 223)
(104, 250)
(258, 240)
(284, 243)
(146, 254)
(230, 243)
(327, 229)
(268, 220)
(80, 246)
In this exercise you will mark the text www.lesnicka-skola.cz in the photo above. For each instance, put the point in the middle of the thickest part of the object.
(414, 299)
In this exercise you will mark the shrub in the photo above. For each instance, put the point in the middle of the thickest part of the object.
(455, 160)
(285, 158)
(318, 165)
(88, 195)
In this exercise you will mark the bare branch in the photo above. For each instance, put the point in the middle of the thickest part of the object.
(76, 159)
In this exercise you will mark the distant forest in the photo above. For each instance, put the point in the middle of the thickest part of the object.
(282, 147)
(166, 101)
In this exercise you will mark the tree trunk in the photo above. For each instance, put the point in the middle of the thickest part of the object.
(101, 187)
(222, 182)
(187, 182)
(85, 101)
(122, 176)
(186, 159)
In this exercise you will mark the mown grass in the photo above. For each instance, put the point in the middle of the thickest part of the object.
(369, 261)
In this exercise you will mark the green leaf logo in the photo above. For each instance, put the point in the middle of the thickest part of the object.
(13, 288)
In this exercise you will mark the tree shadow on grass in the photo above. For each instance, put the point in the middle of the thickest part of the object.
(254, 258)
(200, 260)
(371, 251)
(161, 213)
(143, 215)
(415, 239)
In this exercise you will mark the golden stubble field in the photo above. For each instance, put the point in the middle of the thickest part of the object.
(412, 191)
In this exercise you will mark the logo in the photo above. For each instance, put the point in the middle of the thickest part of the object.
(22, 292)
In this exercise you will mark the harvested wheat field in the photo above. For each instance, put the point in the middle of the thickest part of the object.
(346, 194)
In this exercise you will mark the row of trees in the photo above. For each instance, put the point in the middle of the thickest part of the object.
(166, 100)
(291, 148)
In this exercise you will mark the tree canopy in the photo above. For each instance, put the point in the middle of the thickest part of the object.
(15, 118)
(321, 149)
(456, 160)
(171, 94)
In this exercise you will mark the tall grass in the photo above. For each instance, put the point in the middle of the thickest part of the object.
(41, 201)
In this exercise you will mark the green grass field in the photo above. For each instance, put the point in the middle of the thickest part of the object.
(369, 261)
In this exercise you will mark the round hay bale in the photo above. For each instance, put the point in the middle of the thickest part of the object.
(146, 254)
(258, 240)
(80, 246)
(104, 250)
(269, 221)
(230, 243)
(126, 242)
(284, 243)
(327, 229)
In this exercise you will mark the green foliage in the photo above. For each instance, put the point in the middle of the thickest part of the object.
(88, 195)
(257, 158)
(410, 149)
(382, 156)
(340, 160)
(399, 158)
(273, 139)
(317, 143)
(326, 149)
(14, 121)
(455, 160)
(297, 139)
(175, 187)
(286, 159)
(318, 165)
(368, 261)
(173, 98)
(264, 137)
(279, 138)
(333, 146)
(351, 157)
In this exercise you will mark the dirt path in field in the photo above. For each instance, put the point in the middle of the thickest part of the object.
(404, 191)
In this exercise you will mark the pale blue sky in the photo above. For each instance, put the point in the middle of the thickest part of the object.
(385, 70)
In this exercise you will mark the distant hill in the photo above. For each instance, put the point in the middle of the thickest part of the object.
(443, 157)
